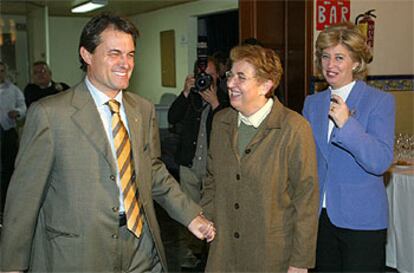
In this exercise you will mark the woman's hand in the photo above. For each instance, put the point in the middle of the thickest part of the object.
(339, 111)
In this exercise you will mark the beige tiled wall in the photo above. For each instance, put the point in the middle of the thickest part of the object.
(404, 111)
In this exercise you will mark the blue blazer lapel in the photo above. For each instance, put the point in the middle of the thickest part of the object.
(354, 97)
(322, 121)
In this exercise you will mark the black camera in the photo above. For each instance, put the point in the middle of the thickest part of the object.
(203, 80)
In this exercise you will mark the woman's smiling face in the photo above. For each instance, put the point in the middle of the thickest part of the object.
(247, 93)
(337, 66)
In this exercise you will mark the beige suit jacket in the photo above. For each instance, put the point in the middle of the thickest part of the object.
(62, 206)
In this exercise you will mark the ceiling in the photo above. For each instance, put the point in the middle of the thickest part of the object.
(62, 7)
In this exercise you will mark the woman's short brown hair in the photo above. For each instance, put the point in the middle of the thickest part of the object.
(265, 61)
(349, 36)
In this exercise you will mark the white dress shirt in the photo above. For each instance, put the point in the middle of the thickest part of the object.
(101, 100)
(11, 98)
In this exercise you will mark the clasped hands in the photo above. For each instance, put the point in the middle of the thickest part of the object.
(202, 228)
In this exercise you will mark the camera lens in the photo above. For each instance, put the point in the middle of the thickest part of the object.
(203, 81)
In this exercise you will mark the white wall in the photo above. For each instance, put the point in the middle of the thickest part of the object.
(38, 34)
(394, 35)
(146, 79)
(64, 34)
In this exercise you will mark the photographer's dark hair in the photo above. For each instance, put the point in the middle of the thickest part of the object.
(197, 69)
(91, 33)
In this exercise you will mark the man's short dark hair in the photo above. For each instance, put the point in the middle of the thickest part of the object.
(42, 63)
(91, 33)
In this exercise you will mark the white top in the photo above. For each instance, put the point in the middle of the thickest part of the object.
(11, 98)
(257, 118)
(343, 92)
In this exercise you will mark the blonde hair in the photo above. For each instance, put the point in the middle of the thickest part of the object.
(349, 36)
(265, 61)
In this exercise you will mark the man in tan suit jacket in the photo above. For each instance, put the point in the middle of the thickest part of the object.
(64, 205)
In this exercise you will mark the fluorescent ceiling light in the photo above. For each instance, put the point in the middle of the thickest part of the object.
(89, 6)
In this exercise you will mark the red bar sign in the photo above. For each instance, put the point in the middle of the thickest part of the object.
(330, 12)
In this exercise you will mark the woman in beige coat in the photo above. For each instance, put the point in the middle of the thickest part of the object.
(261, 189)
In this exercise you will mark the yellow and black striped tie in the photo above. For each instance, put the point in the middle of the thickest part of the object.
(126, 169)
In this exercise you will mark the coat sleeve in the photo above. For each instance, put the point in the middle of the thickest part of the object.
(209, 186)
(165, 189)
(26, 191)
(305, 196)
(371, 145)
(178, 109)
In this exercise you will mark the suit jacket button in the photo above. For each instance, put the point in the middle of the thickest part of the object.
(247, 151)
(238, 176)
(114, 236)
(236, 235)
(112, 177)
(236, 206)
(115, 209)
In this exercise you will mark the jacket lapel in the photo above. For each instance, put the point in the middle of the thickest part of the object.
(322, 121)
(136, 133)
(355, 97)
(273, 121)
(89, 122)
(230, 124)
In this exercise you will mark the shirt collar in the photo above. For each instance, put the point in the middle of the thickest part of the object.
(344, 91)
(257, 118)
(99, 97)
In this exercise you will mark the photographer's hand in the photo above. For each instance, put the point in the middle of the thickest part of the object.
(210, 96)
(188, 84)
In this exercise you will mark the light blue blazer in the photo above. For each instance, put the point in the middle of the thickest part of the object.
(352, 163)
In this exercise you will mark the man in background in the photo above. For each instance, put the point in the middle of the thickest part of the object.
(12, 108)
(42, 85)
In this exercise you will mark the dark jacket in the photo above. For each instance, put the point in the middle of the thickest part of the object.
(32, 92)
(185, 115)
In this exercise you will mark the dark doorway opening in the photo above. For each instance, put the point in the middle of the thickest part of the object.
(221, 29)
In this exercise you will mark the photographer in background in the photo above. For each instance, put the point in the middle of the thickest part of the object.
(192, 114)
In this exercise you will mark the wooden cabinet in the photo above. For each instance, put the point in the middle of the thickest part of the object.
(287, 27)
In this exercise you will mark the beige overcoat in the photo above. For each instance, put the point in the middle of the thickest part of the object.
(62, 206)
(264, 202)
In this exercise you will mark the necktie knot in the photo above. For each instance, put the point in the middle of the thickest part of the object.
(113, 106)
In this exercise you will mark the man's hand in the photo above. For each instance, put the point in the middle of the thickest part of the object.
(293, 269)
(202, 228)
(13, 114)
(188, 84)
(210, 96)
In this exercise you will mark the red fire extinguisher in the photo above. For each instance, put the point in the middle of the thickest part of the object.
(366, 24)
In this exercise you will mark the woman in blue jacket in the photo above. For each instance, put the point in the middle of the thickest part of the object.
(353, 126)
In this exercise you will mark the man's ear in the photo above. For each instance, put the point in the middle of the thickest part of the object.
(86, 55)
